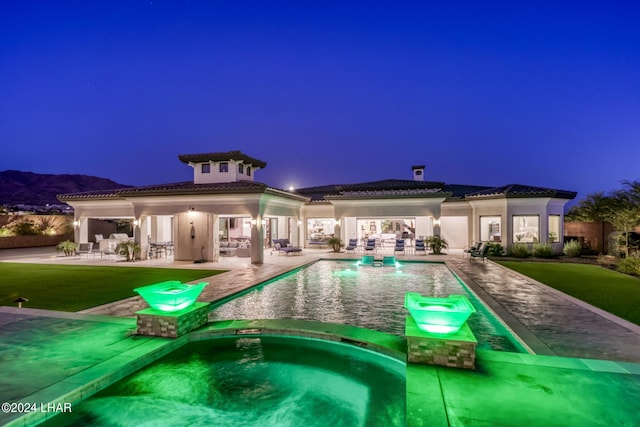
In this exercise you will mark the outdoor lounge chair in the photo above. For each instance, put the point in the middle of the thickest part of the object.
(282, 246)
(481, 252)
(467, 251)
(399, 246)
(371, 245)
(352, 246)
(85, 249)
(420, 247)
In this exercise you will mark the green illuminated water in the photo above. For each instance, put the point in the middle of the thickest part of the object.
(366, 296)
(257, 382)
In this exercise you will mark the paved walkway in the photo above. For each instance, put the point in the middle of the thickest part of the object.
(550, 322)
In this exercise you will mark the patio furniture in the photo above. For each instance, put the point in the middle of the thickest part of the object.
(107, 247)
(282, 246)
(481, 252)
(370, 245)
(229, 248)
(352, 246)
(420, 247)
(467, 251)
(85, 249)
(399, 246)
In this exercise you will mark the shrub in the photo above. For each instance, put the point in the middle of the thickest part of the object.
(542, 250)
(519, 250)
(495, 249)
(437, 244)
(26, 228)
(335, 243)
(572, 248)
(629, 265)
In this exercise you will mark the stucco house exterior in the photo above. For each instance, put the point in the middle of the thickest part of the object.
(224, 204)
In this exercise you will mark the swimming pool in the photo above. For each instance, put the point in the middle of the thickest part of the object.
(364, 296)
(262, 382)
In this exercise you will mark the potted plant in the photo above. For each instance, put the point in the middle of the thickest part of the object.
(437, 244)
(128, 249)
(335, 244)
(67, 247)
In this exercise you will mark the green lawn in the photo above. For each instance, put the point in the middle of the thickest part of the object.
(614, 292)
(76, 287)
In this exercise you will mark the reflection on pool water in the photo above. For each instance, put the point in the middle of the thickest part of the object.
(364, 296)
(263, 382)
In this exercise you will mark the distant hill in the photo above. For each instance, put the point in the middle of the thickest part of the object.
(30, 188)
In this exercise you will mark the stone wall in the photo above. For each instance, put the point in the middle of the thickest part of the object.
(13, 242)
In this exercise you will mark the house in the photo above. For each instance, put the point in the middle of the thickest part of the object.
(223, 203)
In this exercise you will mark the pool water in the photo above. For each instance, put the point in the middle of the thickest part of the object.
(261, 382)
(363, 296)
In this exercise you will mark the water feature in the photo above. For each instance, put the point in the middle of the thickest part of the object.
(364, 296)
(262, 382)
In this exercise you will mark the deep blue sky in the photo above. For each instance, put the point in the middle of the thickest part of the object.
(484, 93)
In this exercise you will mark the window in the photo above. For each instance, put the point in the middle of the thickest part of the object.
(248, 170)
(224, 167)
(490, 229)
(526, 228)
(554, 228)
(240, 168)
(206, 168)
(319, 230)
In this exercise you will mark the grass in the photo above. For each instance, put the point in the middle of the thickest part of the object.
(613, 292)
(76, 287)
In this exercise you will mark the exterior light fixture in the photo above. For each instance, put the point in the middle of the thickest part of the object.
(76, 223)
(136, 223)
(254, 222)
(436, 222)
(299, 222)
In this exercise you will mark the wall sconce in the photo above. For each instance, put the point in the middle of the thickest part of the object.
(436, 222)
(299, 222)
(76, 223)
(254, 222)
(136, 223)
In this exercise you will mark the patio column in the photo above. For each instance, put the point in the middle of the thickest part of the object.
(336, 229)
(81, 230)
(142, 234)
(257, 239)
(436, 226)
(295, 231)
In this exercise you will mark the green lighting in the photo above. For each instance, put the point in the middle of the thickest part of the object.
(438, 315)
(171, 295)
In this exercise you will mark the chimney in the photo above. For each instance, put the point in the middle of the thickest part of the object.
(418, 173)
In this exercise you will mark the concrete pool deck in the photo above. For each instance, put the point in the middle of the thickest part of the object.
(61, 357)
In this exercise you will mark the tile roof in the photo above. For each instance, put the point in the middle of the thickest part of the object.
(518, 190)
(387, 186)
(221, 157)
(183, 188)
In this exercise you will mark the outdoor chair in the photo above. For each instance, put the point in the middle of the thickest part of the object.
(481, 252)
(467, 251)
(420, 247)
(85, 249)
(352, 246)
(371, 245)
(399, 246)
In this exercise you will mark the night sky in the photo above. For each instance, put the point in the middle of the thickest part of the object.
(488, 93)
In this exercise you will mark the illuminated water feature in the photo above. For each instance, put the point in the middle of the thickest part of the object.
(365, 296)
(259, 382)
(171, 296)
(439, 315)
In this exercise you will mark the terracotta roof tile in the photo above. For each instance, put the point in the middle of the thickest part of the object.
(221, 157)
